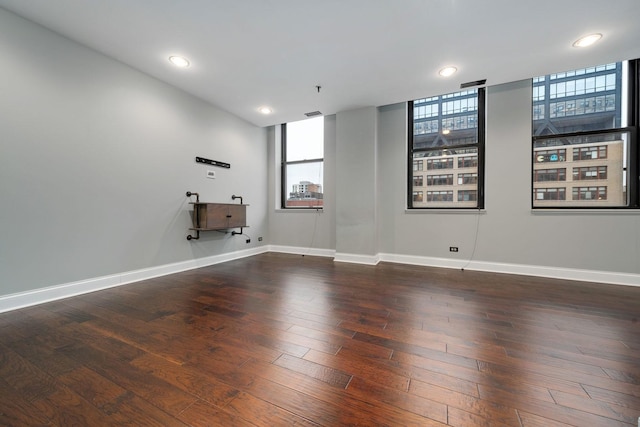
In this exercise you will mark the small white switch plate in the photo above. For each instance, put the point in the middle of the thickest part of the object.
(211, 174)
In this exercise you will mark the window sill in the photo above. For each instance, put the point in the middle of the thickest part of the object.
(445, 211)
(300, 210)
(580, 211)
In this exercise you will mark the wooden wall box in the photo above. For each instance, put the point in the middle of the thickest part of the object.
(218, 216)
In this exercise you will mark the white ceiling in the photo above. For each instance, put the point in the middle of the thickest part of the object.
(248, 53)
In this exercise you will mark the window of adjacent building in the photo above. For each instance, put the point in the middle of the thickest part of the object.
(585, 132)
(302, 163)
(549, 193)
(589, 193)
(439, 196)
(592, 172)
(447, 134)
(467, 195)
(544, 175)
(439, 180)
(467, 178)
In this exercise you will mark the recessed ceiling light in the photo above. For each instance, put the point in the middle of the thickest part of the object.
(179, 61)
(265, 110)
(447, 71)
(587, 40)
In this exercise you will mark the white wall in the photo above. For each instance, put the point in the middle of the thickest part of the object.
(95, 160)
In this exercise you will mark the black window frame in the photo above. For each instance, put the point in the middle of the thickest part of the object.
(283, 172)
(632, 167)
(479, 145)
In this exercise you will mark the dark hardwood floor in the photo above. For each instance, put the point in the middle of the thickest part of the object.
(280, 340)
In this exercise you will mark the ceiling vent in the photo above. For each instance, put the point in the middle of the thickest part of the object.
(313, 114)
(472, 84)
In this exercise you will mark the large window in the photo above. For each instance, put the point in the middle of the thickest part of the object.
(446, 151)
(585, 151)
(302, 163)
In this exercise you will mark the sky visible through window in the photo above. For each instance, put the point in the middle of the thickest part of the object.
(305, 141)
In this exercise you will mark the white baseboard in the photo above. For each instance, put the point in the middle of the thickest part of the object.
(609, 277)
(357, 259)
(52, 293)
(302, 251)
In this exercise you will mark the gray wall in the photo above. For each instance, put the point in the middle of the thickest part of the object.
(95, 160)
(507, 232)
(306, 231)
(356, 171)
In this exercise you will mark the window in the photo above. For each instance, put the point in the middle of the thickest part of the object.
(467, 178)
(549, 193)
(439, 196)
(468, 162)
(302, 163)
(433, 164)
(439, 180)
(544, 175)
(590, 153)
(593, 172)
(447, 133)
(589, 193)
(467, 195)
(585, 132)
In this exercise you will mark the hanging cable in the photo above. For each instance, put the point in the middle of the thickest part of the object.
(475, 240)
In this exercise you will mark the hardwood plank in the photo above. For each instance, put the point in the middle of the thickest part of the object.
(531, 420)
(608, 410)
(139, 411)
(372, 389)
(361, 368)
(162, 394)
(420, 350)
(263, 413)
(459, 418)
(188, 378)
(278, 339)
(481, 409)
(96, 389)
(19, 373)
(202, 414)
(40, 354)
(13, 407)
(331, 409)
(320, 372)
(66, 408)
(630, 400)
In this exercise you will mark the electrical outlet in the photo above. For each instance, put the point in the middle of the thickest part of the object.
(453, 249)
(211, 174)
(248, 240)
(259, 239)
